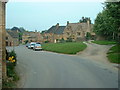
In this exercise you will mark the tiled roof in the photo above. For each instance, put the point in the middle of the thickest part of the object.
(51, 30)
(56, 30)
(60, 30)
(13, 34)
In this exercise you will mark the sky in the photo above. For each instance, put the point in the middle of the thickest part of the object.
(41, 15)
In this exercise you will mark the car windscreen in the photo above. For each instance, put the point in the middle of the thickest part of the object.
(37, 45)
(32, 44)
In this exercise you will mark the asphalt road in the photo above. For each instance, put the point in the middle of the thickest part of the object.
(42, 69)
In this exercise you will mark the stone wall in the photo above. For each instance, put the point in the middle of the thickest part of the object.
(2, 42)
(0, 46)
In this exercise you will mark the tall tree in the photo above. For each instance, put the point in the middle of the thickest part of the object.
(107, 23)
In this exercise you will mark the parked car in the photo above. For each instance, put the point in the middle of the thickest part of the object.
(37, 47)
(28, 44)
(32, 44)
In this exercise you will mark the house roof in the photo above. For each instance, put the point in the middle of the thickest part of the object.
(13, 34)
(60, 30)
(56, 30)
(77, 26)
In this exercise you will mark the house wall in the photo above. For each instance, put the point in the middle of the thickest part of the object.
(2, 41)
(10, 41)
(32, 36)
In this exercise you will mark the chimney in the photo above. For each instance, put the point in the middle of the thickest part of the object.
(67, 22)
(57, 24)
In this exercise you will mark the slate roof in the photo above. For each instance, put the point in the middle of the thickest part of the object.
(60, 30)
(13, 34)
(56, 30)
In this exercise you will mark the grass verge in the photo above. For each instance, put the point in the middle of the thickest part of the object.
(104, 42)
(114, 54)
(66, 48)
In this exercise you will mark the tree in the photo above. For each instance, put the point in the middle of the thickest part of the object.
(107, 22)
(88, 36)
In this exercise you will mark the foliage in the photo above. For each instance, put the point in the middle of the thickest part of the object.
(107, 22)
(104, 42)
(66, 48)
(69, 39)
(7, 83)
(46, 41)
(26, 41)
(114, 54)
(84, 20)
(62, 40)
(12, 76)
(12, 57)
(88, 36)
(20, 36)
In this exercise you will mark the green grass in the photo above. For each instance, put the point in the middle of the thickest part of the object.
(114, 54)
(104, 42)
(66, 48)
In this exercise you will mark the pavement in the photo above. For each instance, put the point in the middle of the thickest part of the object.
(42, 69)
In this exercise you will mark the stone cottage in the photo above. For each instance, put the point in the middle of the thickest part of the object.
(12, 38)
(32, 37)
(54, 34)
(73, 31)
(77, 31)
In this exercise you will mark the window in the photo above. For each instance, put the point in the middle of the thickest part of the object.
(78, 33)
(6, 38)
(68, 33)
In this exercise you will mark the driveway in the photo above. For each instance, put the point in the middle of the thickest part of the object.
(42, 69)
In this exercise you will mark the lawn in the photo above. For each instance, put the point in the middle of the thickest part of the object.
(66, 48)
(104, 42)
(114, 54)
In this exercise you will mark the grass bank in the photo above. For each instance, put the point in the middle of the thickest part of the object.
(114, 54)
(104, 42)
(66, 48)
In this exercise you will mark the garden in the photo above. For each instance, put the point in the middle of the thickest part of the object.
(12, 77)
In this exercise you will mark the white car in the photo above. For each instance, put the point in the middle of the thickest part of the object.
(37, 47)
(32, 44)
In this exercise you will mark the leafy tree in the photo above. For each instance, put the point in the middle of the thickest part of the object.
(107, 22)
(88, 36)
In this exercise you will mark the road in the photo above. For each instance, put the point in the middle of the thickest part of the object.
(42, 69)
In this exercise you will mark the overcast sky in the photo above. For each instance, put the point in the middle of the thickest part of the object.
(39, 15)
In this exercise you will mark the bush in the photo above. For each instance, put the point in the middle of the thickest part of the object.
(12, 58)
(12, 76)
(46, 41)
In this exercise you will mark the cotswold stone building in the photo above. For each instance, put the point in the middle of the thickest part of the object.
(32, 37)
(54, 34)
(2, 41)
(73, 31)
(77, 31)
(12, 38)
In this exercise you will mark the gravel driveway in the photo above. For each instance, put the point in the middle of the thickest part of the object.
(96, 53)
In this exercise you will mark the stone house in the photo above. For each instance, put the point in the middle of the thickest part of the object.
(32, 37)
(74, 31)
(54, 34)
(12, 38)
(2, 42)
(78, 31)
